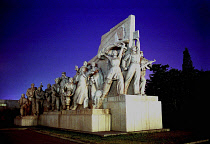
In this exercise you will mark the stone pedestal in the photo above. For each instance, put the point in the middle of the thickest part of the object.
(134, 113)
(92, 120)
(26, 121)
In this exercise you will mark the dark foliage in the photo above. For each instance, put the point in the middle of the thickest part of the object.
(183, 94)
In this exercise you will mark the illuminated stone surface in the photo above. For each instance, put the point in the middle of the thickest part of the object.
(134, 113)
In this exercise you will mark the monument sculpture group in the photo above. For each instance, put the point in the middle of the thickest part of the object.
(115, 75)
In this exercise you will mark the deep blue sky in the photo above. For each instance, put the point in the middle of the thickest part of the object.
(39, 40)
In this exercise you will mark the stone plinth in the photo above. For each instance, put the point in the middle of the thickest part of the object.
(26, 121)
(134, 113)
(92, 120)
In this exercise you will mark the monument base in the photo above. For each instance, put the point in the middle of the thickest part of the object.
(91, 120)
(134, 113)
(26, 121)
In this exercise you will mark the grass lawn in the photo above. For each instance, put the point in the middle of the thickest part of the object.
(130, 138)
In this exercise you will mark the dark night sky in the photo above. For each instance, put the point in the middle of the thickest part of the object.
(40, 40)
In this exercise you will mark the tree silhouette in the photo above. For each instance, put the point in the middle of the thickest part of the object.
(187, 65)
(183, 94)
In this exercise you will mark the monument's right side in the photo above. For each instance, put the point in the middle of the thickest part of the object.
(129, 112)
(134, 113)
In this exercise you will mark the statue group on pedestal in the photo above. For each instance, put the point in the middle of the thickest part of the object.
(90, 85)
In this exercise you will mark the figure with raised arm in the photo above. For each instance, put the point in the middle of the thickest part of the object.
(133, 67)
(114, 73)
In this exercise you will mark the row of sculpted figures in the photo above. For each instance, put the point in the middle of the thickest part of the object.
(90, 85)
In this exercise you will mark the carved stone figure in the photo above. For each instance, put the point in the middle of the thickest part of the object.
(133, 62)
(63, 80)
(55, 94)
(48, 95)
(81, 93)
(114, 73)
(96, 99)
(95, 82)
(24, 105)
(144, 67)
(39, 93)
(69, 89)
(31, 96)
(75, 78)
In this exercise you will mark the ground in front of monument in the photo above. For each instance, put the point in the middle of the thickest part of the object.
(54, 135)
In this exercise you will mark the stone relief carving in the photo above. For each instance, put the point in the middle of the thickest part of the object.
(55, 94)
(69, 90)
(114, 73)
(31, 96)
(95, 83)
(145, 64)
(39, 94)
(81, 93)
(25, 105)
(63, 80)
(48, 96)
(133, 67)
(118, 68)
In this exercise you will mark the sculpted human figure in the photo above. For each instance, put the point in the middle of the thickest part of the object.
(55, 94)
(81, 93)
(31, 96)
(63, 80)
(24, 105)
(144, 67)
(114, 73)
(95, 81)
(69, 89)
(134, 68)
(39, 93)
(75, 78)
(48, 95)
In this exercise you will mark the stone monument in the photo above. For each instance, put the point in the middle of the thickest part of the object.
(108, 91)
(31, 96)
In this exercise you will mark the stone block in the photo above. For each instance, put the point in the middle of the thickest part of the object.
(92, 120)
(26, 121)
(134, 113)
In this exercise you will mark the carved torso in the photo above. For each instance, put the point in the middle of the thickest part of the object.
(30, 92)
(115, 62)
(48, 91)
(39, 94)
(70, 88)
(135, 58)
(55, 89)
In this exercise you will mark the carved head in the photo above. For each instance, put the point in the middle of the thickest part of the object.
(93, 64)
(141, 53)
(57, 80)
(76, 68)
(71, 80)
(85, 63)
(23, 95)
(114, 53)
(39, 88)
(134, 50)
(48, 86)
(32, 85)
(63, 74)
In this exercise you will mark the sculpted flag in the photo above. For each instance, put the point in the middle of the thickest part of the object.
(122, 32)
